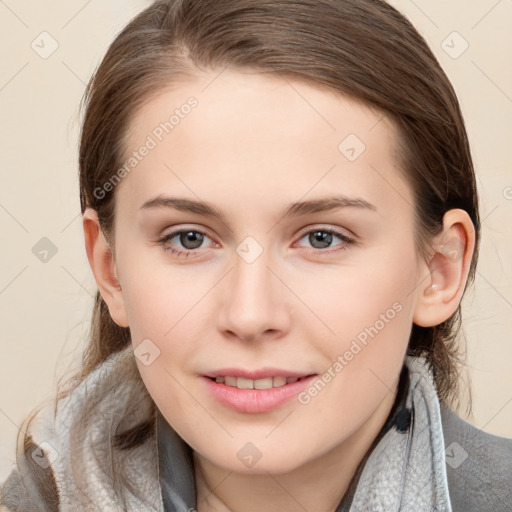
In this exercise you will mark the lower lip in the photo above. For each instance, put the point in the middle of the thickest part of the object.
(255, 401)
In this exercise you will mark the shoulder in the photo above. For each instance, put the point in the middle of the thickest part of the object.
(31, 485)
(101, 428)
(478, 465)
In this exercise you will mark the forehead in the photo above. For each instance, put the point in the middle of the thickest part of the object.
(227, 132)
(273, 109)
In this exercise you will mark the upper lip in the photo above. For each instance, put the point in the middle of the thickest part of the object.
(260, 373)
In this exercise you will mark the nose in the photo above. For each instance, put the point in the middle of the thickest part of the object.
(253, 302)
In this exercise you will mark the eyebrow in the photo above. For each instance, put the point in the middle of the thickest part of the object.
(293, 210)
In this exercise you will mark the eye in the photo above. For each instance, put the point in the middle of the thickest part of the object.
(190, 240)
(322, 238)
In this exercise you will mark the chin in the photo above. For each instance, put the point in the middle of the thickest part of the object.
(250, 461)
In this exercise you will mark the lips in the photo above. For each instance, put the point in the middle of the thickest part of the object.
(256, 391)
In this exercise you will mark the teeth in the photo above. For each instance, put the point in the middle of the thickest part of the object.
(242, 383)
(266, 383)
(279, 381)
(230, 381)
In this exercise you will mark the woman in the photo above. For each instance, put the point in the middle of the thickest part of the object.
(291, 350)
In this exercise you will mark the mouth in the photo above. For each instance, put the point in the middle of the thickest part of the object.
(264, 383)
(256, 395)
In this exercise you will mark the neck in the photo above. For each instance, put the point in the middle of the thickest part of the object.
(318, 485)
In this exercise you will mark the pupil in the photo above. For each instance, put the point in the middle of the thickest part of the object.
(191, 237)
(322, 237)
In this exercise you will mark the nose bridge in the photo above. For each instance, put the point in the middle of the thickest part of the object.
(252, 281)
(251, 304)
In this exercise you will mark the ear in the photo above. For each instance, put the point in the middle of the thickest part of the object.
(452, 250)
(102, 262)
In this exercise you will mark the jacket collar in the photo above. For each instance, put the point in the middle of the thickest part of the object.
(176, 469)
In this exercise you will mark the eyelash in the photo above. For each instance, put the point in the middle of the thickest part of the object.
(177, 252)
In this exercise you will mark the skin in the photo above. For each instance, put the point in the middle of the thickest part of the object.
(252, 146)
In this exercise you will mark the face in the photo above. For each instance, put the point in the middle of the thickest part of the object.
(268, 288)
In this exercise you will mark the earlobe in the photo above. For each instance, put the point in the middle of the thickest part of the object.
(448, 266)
(102, 262)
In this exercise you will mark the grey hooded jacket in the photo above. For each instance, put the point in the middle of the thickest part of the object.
(71, 456)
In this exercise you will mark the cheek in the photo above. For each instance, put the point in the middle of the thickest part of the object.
(363, 361)
(158, 295)
(370, 309)
(162, 305)
(376, 294)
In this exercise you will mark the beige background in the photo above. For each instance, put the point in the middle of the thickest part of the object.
(45, 307)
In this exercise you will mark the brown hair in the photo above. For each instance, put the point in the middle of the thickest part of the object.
(361, 48)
